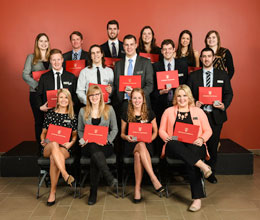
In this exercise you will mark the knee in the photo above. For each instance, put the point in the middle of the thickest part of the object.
(137, 156)
(54, 146)
(140, 147)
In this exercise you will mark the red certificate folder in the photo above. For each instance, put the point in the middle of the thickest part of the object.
(207, 95)
(167, 77)
(75, 66)
(133, 81)
(52, 98)
(186, 133)
(37, 74)
(143, 131)
(96, 134)
(104, 91)
(192, 69)
(58, 134)
(110, 62)
(153, 57)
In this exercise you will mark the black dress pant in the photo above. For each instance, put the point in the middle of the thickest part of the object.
(190, 154)
(98, 165)
(212, 143)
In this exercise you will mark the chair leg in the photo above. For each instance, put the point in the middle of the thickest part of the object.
(82, 182)
(41, 179)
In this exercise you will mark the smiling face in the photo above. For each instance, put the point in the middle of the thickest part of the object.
(185, 40)
(43, 43)
(207, 59)
(168, 51)
(94, 98)
(147, 36)
(76, 42)
(96, 55)
(137, 99)
(63, 100)
(112, 31)
(182, 99)
(56, 61)
(130, 47)
(212, 40)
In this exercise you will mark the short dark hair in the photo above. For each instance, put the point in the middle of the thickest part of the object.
(77, 33)
(90, 61)
(129, 36)
(113, 22)
(55, 51)
(207, 49)
(166, 42)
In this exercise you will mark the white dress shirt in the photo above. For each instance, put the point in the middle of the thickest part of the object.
(116, 45)
(55, 78)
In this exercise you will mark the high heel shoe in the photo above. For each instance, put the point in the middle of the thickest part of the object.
(160, 190)
(136, 201)
(71, 181)
(194, 208)
(207, 173)
(52, 202)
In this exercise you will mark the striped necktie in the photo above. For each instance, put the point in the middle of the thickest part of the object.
(208, 78)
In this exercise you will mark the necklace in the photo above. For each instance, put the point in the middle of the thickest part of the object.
(182, 115)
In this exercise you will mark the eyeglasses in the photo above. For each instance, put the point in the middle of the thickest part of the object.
(94, 95)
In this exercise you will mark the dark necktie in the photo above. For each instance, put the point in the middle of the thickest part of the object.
(75, 56)
(170, 93)
(98, 76)
(114, 54)
(208, 79)
(58, 80)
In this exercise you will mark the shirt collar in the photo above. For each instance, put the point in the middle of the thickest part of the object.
(133, 58)
(55, 71)
(78, 52)
(211, 70)
(110, 41)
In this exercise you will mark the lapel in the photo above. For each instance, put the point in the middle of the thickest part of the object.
(215, 78)
(108, 50)
(200, 78)
(137, 62)
(122, 66)
(161, 66)
(51, 80)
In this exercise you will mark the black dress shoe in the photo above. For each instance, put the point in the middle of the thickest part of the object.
(212, 179)
(92, 199)
(136, 201)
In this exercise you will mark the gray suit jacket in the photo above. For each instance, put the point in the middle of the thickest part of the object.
(110, 123)
(28, 69)
(142, 67)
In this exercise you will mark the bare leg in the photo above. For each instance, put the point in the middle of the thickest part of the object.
(204, 167)
(138, 168)
(54, 175)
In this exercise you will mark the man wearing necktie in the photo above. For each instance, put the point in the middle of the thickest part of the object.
(216, 113)
(77, 53)
(56, 78)
(113, 47)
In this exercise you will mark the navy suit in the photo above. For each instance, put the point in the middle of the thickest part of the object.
(68, 56)
(121, 52)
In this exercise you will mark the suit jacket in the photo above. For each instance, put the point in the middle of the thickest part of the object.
(46, 82)
(142, 67)
(220, 79)
(68, 56)
(160, 102)
(105, 48)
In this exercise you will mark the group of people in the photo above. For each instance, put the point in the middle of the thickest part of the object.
(147, 104)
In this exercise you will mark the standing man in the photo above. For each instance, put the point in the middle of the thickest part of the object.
(77, 53)
(216, 113)
(113, 47)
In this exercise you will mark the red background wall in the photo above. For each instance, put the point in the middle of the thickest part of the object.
(236, 21)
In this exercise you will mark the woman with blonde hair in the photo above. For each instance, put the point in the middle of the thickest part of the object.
(184, 111)
(62, 115)
(37, 61)
(137, 112)
(98, 113)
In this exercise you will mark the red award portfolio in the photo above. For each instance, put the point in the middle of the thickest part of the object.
(142, 131)
(133, 81)
(153, 57)
(104, 91)
(75, 66)
(96, 134)
(167, 77)
(192, 69)
(110, 62)
(207, 95)
(52, 98)
(186, 133)
(37, 74)
(58, 134)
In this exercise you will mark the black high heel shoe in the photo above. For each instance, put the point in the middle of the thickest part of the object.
(136, 201)
(51, 203)
(160, 191)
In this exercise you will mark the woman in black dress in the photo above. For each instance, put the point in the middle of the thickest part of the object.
(137, 112)
(62, 115)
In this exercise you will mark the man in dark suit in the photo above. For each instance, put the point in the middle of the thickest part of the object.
(132, 64)
(162, 99)
(77, 53)
(56, 78)
(210, 77)
(113, 47)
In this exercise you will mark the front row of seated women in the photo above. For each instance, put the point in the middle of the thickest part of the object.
(97, 112)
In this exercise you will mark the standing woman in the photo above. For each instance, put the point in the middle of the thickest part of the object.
(62, 115)
(147, 42)
(97, 112)
(37, 61)
(185, 49)
(223, 58)
(192, 154)
(137, 112)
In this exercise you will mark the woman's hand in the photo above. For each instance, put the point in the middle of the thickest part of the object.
(129, 138)
(44, 107)
(68, 145)
(81, 143)
(168, 139)
(199, 141)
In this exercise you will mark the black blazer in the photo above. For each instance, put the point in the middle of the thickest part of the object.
(46, 82)
(68, 56)
(142, 67)
(160, 102)
(105, 48)
(220, 79)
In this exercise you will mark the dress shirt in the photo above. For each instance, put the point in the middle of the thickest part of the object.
(166, 62)
(208, 108)
(89, 75)
(78, 52)
(127, 63)
(55, 78)
(116, 45)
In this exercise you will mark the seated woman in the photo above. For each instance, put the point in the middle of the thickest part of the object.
(62, 115)
(193, 154)
(97, 112)
(137, 112)
(185, 49)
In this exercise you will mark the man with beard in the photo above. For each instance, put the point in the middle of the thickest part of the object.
(113, 47)
(216, 113)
